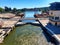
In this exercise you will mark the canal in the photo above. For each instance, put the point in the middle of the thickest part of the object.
(27, 34)
(30, 14)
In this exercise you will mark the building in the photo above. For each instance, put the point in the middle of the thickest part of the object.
(55, 13)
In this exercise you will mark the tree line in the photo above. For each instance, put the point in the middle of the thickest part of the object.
(15, 10)
(9, 9)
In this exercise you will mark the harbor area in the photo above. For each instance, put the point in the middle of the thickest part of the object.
(51, 30)
(9, 24)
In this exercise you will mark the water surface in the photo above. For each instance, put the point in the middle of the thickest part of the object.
(26, 35)
(29, 14)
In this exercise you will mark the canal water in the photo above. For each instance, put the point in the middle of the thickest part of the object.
(27, 35)
(30, 14)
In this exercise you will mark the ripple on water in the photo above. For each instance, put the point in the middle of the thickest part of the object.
(26, 35)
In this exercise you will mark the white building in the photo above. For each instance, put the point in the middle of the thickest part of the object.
(55, 13)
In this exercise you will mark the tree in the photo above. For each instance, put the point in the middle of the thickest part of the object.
(14, 10)
(9, 9)
(1, 10)
(6, 8)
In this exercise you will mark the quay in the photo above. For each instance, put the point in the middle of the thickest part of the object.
(8, 24)
(52, 30)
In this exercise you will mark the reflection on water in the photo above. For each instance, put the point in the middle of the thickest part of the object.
(26, 35)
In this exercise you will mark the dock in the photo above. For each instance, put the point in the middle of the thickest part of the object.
(51, 29)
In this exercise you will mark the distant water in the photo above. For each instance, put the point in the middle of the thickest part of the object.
(29, 14)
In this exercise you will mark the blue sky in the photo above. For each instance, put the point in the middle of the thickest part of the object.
(26, 3)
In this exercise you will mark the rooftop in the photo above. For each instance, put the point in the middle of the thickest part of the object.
(55, 6)
(55, 3)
